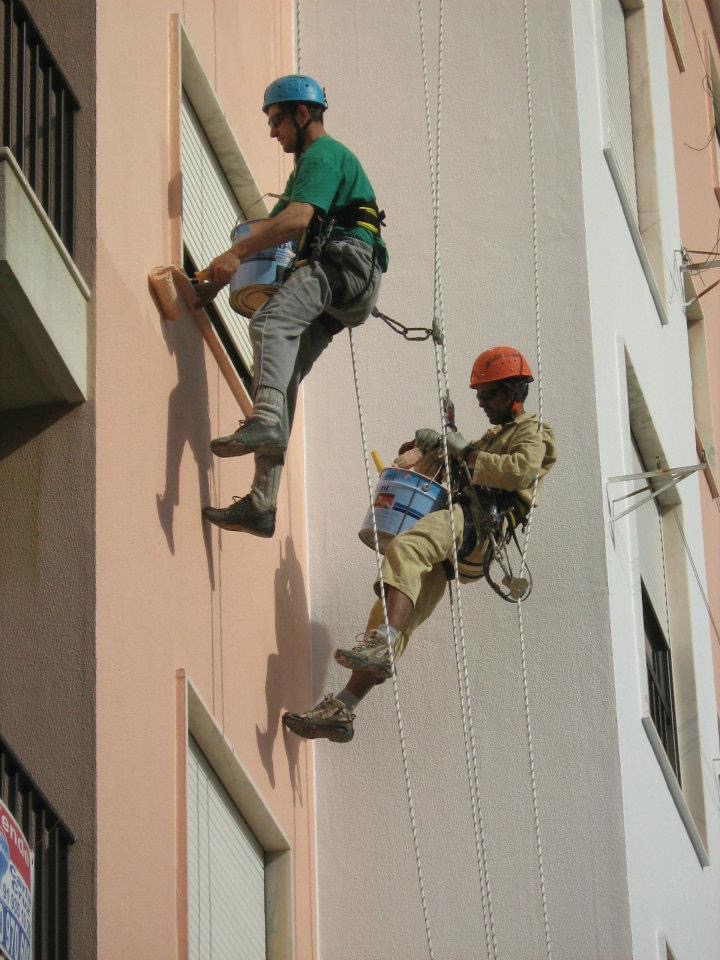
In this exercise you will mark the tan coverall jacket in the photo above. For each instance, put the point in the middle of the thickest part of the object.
(510, 456)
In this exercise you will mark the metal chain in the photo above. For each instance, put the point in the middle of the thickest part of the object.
(455, 598)
(409, 333)
(396, 688)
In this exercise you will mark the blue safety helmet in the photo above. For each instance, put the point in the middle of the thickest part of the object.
(294, 88)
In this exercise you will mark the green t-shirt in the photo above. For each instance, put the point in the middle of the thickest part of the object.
(329, 176)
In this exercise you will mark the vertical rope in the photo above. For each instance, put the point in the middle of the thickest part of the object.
(456, 613)
(396, 689)
(298, 37)
(526, 543)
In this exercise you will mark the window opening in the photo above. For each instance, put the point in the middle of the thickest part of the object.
(226, 871)
(190, 267)
(660, 683)
(210, 210)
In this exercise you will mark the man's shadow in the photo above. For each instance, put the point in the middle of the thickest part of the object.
(188, 422)
(285, 667)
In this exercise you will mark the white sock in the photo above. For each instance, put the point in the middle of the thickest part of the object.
(268, 405)
(349, 699)
(388, 632)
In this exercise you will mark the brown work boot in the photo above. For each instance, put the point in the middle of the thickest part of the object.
(370, 654)
(330, 720)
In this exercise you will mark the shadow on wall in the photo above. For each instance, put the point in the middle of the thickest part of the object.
(21, 426)
(287, 683)
(188, 422)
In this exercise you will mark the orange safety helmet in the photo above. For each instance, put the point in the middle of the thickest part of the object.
(499, 363)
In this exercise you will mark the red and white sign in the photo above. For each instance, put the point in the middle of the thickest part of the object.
(16, 885)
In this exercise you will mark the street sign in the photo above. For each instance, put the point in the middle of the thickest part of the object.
(16, 889)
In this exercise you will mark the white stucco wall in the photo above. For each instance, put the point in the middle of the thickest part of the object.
(368, 55)
(670, 894)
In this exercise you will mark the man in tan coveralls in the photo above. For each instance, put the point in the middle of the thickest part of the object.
(509, 457)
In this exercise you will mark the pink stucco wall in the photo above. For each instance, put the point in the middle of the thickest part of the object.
(699, 200)
(173, 594)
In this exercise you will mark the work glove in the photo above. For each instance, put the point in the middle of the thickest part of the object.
(427, 439)
(456, 444)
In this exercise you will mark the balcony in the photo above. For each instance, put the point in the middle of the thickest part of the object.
(43, 297)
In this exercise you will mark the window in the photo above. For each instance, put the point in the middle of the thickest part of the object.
(226, 871)
(50, 840)
(620, 133)
(672, 14)
(712, 85)
(702, 406)
(653, 585)
(210, 210)
(630, 136)
(665, 633)
(660, 683)
(238, 883)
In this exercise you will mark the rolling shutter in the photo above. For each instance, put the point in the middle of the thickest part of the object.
(620, 134)
(651, 554)
(210, 210)
(226, 872)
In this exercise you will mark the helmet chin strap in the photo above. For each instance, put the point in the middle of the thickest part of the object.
(299, 134)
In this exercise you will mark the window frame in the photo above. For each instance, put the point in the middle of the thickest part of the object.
(194, 719)
(643, 217)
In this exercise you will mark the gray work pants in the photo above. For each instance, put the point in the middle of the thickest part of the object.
(287, 334)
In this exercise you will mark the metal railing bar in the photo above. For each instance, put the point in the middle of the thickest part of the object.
(8, 60)
(57, 217)
(47, 103)
(33, 117)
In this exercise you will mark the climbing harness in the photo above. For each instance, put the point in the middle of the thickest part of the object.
(494, 516)
(364, 215)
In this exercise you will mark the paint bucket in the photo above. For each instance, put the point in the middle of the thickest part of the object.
(259, 276)
(401, 499)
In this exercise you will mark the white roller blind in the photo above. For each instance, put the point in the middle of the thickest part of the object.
(226, 872)
(209, 212)
(651, 557)
(618, 97)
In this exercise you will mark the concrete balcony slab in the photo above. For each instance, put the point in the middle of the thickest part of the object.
(43, 302)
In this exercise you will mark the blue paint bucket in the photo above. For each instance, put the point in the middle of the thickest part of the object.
(259, 276)
(401, 499)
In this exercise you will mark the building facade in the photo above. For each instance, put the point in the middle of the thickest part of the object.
(616, 633)
(150, 657)
(693, 54)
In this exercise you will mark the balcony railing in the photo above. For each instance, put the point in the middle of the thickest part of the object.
(49, 839)
(37, 116)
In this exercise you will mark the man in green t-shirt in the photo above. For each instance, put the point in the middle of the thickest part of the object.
(329, 209)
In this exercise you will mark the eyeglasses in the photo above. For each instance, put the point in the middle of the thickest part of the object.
(277, 118)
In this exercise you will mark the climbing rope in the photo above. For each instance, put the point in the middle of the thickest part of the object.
(396, 688)
(526, 542)
(456, 614)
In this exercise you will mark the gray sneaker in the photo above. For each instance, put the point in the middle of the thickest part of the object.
(252, 436)
(370, 654)
(330, 720)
